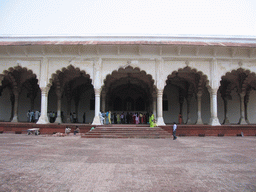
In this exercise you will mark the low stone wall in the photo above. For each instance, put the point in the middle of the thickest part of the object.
(207, 130)
(21, 128)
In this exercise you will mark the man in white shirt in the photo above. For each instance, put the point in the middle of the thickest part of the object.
(174, 131)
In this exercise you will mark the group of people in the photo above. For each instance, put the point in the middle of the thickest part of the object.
(68, 130)
(52, 115)
(33, 116)
(124, 118)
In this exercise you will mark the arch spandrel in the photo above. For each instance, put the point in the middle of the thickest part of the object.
(242, 79)
(149, 67)
(33, 66)
(225, 66)
(70, 73)
(119, 74)
(203, 80)
(57, 65)
(199, 66)
(18, 75)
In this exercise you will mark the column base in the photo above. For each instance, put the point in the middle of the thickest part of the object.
(15, 119)
(96, 121)
(43, 120)
(199, 122)
(189, 122)
(214, 121)
(58, 120)
(160, 121)
(242, 121)
(226, 121)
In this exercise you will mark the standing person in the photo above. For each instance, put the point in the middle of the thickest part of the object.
(36, 116)
(137, 118)
(31, 116)
(127, 118)
(106, 117)
(28, 116)
(101, 118)
(109, 117)
(174, 131)
(180, 119)
(84, 117)
(152, 121)
(74, 117)
(122, 118)
(115, 118)
(71, 117)
(118, 120)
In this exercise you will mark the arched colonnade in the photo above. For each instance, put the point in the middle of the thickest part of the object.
(186, 91)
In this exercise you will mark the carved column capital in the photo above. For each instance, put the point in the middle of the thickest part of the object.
(160, 92)
(97, 91)
(45, 90)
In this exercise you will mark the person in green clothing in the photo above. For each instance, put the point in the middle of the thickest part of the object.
(152, 121)
(109, 117)
(118, 118)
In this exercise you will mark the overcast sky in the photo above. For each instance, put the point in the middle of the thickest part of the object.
(128, 17)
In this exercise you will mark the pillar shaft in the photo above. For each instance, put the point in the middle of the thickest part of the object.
(58, 119)
(160, 120)
(16, 104)
(214, 115)
(199, 101)
(44, 104)
(226, 120)
(188, 109)
(96, 120)
(242, 111)
(103, 102)
(154, 104)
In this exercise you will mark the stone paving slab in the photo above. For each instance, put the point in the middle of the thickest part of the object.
(38, 163)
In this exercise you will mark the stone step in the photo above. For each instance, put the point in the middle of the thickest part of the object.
(126, 136)
(127, 132)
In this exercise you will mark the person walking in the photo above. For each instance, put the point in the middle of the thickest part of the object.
(174, 131)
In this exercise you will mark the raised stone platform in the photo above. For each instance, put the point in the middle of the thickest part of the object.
(182, 130)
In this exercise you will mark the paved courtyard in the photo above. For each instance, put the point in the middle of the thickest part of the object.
(39, 163)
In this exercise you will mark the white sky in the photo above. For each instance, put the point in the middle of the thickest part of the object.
(128, 17)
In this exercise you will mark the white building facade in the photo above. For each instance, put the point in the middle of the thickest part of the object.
(207, 80)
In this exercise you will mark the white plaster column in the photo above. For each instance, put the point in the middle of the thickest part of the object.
(68, 120)
(188, 109)
(16, 104)
(154, 104)
(199, 101)
(58, 119)
(160, 120)
(214, 114)
(242, 111)
(103, 96)
(44, 104)
(96, 120)
(226, 120)
(97, 89)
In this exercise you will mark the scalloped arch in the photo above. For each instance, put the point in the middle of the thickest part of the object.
(20, 69)
(126, 69)
(193, 70)
(65, 69)
(250, 75)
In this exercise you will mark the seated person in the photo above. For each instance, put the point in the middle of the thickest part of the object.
(67, 130)
(77, 130)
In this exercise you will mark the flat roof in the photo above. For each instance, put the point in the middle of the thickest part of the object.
(226, 41)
